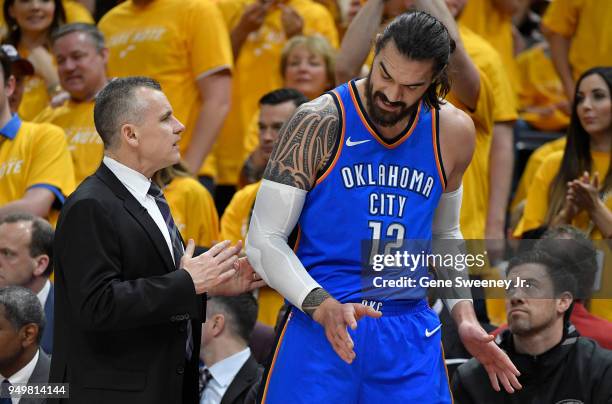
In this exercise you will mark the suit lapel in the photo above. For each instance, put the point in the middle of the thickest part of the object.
(40, 374)
(244, 379)
(139, 213)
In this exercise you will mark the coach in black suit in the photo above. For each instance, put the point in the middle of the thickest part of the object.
(129, 301)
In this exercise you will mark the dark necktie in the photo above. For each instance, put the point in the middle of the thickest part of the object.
(205, 377)
(177, 248)
(4, 389)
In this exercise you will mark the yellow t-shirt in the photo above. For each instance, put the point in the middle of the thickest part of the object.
(486, 20)
(76, 12)
(258, 72)
(537, 203)
(533, 164)
(193, 210)
(84, 143)
(234, 227)
(36, 155)
(540, 87)
(235, 219)
(587, 22)
(495, 104)
(175, 42)
(35, 95)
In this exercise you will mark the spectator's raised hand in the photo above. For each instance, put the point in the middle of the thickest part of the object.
(293, 23)
(253, 16)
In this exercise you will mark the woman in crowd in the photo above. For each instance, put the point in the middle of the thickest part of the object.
(574, 186)
(307, 65)
(30, 24)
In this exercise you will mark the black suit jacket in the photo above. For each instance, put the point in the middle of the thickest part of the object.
(120, 305)
(248, 375)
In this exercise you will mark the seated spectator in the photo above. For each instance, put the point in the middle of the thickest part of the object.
(307, 65)
(36, 172)
(230, 370)
(22, 322)
(26, 243)
(571, 246)
(583, 163)
(81, 63)
(193, 208)
(276, 108)
(32, 37)
(555, 362)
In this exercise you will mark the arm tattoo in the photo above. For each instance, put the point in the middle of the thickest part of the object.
(313, 300)
(305, 144)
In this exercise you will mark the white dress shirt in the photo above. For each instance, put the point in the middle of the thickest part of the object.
(22, 376)
(44, 294)
(139, 185)
(223, 373)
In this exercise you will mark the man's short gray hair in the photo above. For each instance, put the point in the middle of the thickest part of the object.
(94, 34)
(22, 307)
(116, 104)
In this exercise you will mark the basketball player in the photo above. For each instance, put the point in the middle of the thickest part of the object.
(375, 158)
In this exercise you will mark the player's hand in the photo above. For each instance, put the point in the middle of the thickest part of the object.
(244, 280)
(498, 365)
(335, 317)
(211, 268)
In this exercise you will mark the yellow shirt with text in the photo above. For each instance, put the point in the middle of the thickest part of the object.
(84, 143)
(193, 210)
(175, 42)
(36, 157)
(587, 23)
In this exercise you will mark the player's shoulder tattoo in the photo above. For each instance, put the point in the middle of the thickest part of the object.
(305, 143)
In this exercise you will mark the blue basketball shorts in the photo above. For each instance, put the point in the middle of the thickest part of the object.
(399, 359)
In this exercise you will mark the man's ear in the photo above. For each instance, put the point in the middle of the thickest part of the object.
(564, 301)
(129, 134)
(41, 264)
(29, 335)
(9, 85)
(218, 324)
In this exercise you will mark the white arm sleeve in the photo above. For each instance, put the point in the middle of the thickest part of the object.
(446, 226)
(276, 212)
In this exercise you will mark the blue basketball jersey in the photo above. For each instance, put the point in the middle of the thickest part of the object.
(372, 190)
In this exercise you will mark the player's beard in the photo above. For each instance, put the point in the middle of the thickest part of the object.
(379, 115)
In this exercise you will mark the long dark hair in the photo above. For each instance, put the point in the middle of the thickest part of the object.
(577, 154)
(13, 35)
(420, 36)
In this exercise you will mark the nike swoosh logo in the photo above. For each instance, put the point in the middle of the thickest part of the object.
(350, 143)
(432, 332)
